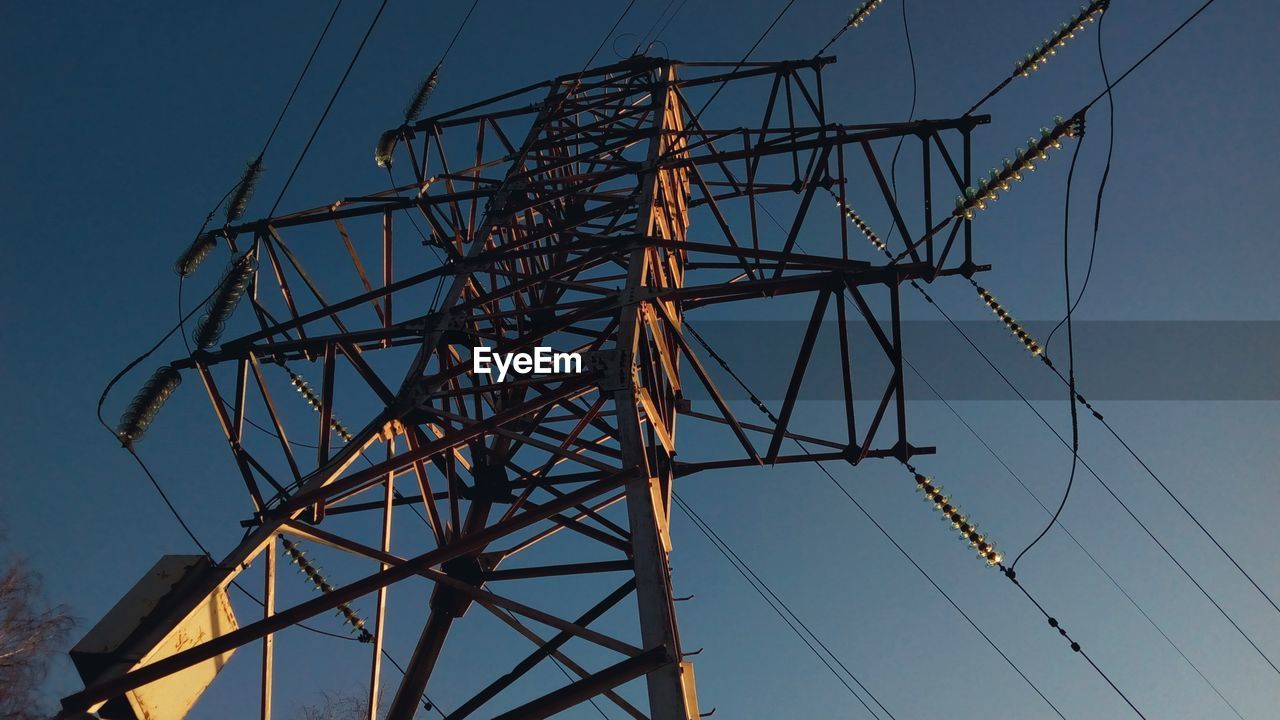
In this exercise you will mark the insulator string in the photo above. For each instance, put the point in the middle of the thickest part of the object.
(1035, 59)
(856, 18)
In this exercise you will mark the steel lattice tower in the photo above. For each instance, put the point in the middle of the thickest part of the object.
(563, 212)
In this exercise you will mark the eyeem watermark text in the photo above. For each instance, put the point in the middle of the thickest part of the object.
(542, 361)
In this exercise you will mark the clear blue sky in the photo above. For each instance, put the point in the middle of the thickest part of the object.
(124, 122)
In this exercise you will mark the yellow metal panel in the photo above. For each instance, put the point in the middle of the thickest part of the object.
(127, 638)
(172, 697)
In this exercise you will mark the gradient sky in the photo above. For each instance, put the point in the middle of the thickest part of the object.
(123, 123)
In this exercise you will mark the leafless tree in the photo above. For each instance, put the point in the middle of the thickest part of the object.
(336, 706)
(30, 634)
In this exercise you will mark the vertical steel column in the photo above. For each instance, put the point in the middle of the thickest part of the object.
(268, 640)
(647, 512)
(380, 606)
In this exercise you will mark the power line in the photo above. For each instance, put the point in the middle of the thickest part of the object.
(1102, 184)
(986, 551)
(765, 410)
(1107, 92)
(301, 75)
(1103, 483)
(1075, 396)
(771, 598)
(937, 587)
(607, 35)
(1075, 453)
(1054, 519)
(1150, 52)
(1129, 511)
(737, 65)
(1092, 558)
(457, 32)
(1075, 646)
(325, 114)
(1040, 56)
(1168, 491)
(636, 51)
(261, 153)
(1071, 359)
(665, 25)
(893, 164)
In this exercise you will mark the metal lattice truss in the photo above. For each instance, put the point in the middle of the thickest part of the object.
(562, 212)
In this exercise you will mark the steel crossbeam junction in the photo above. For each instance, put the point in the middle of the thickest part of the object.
(559, 215)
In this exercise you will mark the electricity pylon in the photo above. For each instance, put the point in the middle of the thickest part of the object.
(562, 215)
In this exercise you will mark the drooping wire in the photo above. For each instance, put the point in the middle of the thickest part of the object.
(665, 25)
(636, 50)
(106, 391)
(1102, 184)
(760, 405)
(1071, 358)
(1107, 92)
(1025, 401)
(1163, 486)
(771, 598)
(765, 410)
(893, 164)
(935, 585)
